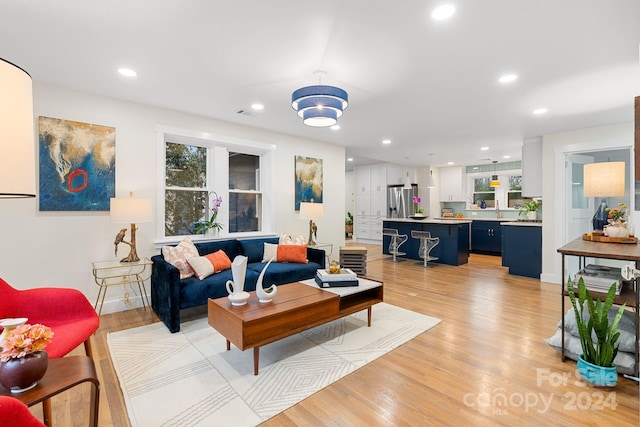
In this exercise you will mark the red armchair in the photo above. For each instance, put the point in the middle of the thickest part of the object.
(14, 413)
(66, 311)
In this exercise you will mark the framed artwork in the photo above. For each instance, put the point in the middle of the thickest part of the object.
(77, 165)
(308, 180)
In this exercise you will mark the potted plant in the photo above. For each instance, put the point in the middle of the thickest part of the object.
(348, 224)
(416, 201)
(211, 223)
(530, 208)
(598, 336)
(23, 361)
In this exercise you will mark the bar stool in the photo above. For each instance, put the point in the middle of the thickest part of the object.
(426, 244)
(396, 241)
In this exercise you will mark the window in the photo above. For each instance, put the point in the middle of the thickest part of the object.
(506, 196)
(245, 198)
(482, 191)
(514, 192)
(195, 168)
(185, 193)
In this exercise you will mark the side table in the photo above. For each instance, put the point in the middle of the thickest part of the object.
(113, 273)
(62, 374)
(322, 246)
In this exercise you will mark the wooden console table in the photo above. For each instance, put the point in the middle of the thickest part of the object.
(616, 251)
(62, 374)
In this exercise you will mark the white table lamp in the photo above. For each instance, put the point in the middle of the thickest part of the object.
(311, 211)
(130, 211)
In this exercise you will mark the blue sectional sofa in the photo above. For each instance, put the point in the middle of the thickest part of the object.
(169, 294)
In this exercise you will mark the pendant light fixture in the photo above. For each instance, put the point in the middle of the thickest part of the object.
(495, 182)
(319, 105)
(407, 183)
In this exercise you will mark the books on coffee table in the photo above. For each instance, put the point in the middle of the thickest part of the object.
(346, 277)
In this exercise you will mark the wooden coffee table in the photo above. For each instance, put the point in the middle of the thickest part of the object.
(296, 307)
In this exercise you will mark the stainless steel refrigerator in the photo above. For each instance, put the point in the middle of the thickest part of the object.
(400, 200)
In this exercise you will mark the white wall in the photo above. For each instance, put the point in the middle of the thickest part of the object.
(553, 148)
(56, 248)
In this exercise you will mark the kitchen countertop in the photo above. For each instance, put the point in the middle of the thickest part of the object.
(431, 220)
(523, 223)
(492, 219)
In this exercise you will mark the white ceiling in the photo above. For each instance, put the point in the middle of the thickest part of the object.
(431, 87)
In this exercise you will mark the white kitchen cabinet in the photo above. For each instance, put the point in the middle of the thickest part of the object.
(371, 201)
(363, 204)
(395, 174)
(532, 168)
(452, 184)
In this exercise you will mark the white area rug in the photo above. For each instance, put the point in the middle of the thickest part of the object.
(189, 379)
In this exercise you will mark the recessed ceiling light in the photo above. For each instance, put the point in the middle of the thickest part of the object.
(257, 107)
(508, 78)
(128, 72)
(540, 111)
(484, 148)
(386, 141)
(506, 157)
(450, 163)
(336, 127)
(350, 159)
(443, 12)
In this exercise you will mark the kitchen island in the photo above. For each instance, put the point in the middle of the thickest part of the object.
(522, 248)
(453, 248)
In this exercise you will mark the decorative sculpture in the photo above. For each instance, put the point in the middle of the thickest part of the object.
(235, 287)
(265, 295)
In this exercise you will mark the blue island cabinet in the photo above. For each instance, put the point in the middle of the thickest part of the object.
(453, 248)
(522, 249)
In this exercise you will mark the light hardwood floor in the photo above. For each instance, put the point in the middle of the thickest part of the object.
(485, 364)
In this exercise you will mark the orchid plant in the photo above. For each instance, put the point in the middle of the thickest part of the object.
(216, 202)
(24, 340)
(417, 201)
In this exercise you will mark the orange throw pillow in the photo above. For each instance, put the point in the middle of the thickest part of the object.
(292, 253)
(219, 260)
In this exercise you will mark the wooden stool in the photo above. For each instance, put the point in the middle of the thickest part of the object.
(354, 258)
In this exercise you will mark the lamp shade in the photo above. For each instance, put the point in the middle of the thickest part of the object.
(407, 183)
(129, 210)
(430, 181)
(319, 105)
(17, 143)
(311, 211)
(605, 179)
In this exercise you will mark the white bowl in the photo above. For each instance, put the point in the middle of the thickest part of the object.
(10, 323)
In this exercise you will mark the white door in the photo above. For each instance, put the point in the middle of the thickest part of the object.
(580, 209)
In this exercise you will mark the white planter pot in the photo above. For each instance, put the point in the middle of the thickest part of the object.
(532, 215)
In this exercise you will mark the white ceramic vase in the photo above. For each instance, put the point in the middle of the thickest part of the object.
(235, 287)
(265, 295)
(532, 215)
(616, 229)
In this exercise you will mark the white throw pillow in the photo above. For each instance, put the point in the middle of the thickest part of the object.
(270, 252)
(624, 361)
(286, 239)
(626, 327)
(178, 255)
(201, 265)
